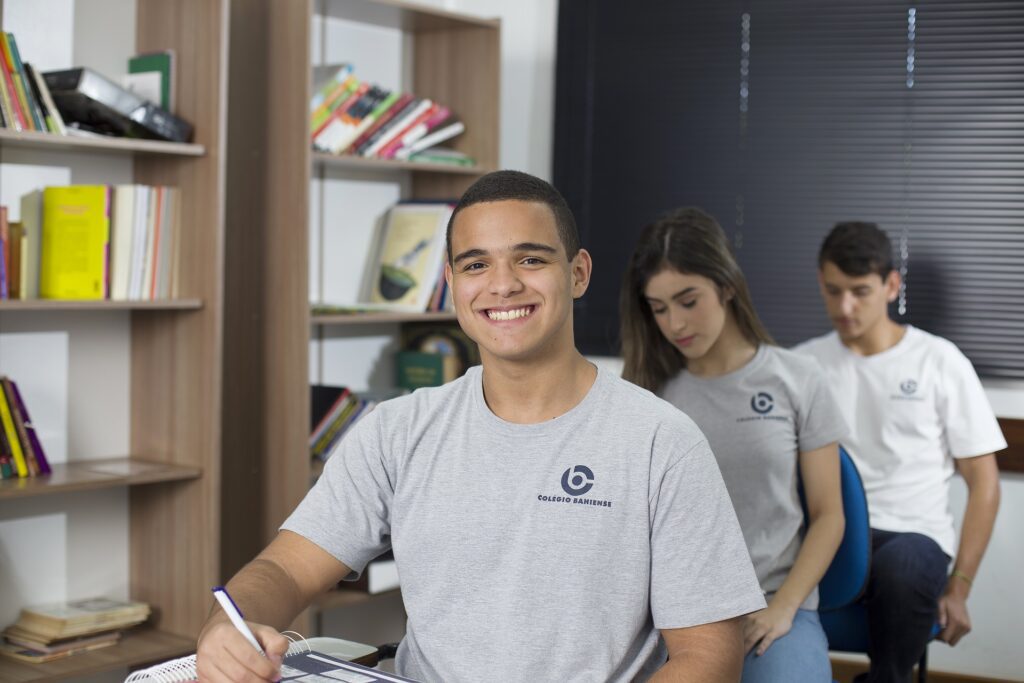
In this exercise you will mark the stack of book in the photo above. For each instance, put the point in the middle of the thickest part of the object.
(21, 453)
(25, 100)
(350, 116)
(334, 411)
(49, 632)
(92, 242)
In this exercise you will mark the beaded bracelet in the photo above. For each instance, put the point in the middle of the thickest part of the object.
(959, 574)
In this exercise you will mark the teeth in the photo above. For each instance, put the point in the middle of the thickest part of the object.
(510, 315)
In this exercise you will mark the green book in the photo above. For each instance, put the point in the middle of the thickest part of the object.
(161, 63)
(415, 369)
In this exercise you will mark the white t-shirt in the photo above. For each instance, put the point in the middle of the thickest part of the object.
(912, 409)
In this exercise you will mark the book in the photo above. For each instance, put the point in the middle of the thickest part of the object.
(33, 655)
(51, 116)
(315, 659)
(11, 434)
(62, 620)
(407, 257)
(401, 123)
(7, 470)
(31, 437)
(34, 469)
(154, 68)
(431, 139)
(17, 637)
(5, 255)
(32, 226)
(75, 242)
(21, 82)
(416, 369)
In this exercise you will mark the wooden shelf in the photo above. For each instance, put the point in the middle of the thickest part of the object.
(404, 15)
(347, 161)
(346, 598)
(36, 140)
(89, 475)
(101, 305)
(375, 318)
(136, 647)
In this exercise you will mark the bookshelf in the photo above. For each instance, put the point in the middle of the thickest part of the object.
(450, 57)
(170, 478)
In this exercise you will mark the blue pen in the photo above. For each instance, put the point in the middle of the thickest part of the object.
(235, 615)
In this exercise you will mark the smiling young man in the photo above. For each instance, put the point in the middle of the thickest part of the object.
(916, 410)
(550, 521)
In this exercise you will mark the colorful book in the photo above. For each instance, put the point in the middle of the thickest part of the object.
(408, 256)
(75, 242)
(5, 254)
(13, 442)
(31, 437)
(22, 84)
(34, 469)
(401, 105)
(54, 121)
(7, 470)
(400, 123)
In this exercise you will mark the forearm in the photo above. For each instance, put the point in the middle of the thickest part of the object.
(711, 653)
(265, 594)
(819, 547)
(979, 518)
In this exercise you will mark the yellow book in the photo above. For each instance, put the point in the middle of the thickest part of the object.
(7, 424)
(74, 262)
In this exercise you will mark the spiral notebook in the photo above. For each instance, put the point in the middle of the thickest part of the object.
(316, 660)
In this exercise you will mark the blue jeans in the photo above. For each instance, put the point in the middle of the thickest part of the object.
(800, 655)
(908, 575)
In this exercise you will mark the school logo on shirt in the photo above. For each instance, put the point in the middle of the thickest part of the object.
(908, 391)
(762, 403)
(577, 481)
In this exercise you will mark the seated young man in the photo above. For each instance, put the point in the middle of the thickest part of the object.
(550, 521)
(916, 409)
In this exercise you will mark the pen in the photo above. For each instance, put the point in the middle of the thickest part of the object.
(235, 615)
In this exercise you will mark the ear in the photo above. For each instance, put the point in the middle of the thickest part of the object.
(892, 285)
(581, 266)
(448, 276)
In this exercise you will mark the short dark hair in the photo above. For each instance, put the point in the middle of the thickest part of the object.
(518, 186)
(857, 249)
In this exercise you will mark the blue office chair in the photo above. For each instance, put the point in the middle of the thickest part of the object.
(840, 607)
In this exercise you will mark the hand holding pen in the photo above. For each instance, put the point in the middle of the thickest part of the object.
(221, 655)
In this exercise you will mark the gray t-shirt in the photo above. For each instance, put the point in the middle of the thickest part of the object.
(535, 552)
(758, 419)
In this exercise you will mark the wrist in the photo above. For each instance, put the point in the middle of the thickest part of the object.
(959, 583)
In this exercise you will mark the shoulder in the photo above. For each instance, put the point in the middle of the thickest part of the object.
(946, 355)
(638, 408)
(818, 346)
(429, 400)
(792, 360)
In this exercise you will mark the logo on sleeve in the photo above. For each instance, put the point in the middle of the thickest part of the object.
(908, 391)
(577, 481)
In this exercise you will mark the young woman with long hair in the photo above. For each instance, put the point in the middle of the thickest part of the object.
(691, 335)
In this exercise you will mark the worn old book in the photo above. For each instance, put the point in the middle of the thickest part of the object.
(79, 617)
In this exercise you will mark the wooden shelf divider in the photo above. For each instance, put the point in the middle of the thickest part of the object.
(88, 475)
(69, 143)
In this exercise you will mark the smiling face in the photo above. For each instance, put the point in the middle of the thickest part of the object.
(856, 304)
(511, 281)
(688, 310)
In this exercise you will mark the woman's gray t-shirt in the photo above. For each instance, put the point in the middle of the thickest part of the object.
(758, 419)
(529, 552)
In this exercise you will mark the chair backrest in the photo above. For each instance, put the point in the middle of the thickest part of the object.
(847, 577)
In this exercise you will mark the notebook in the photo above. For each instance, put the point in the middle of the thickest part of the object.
(316, 660)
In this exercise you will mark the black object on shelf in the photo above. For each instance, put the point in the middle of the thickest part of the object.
(98, 104)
